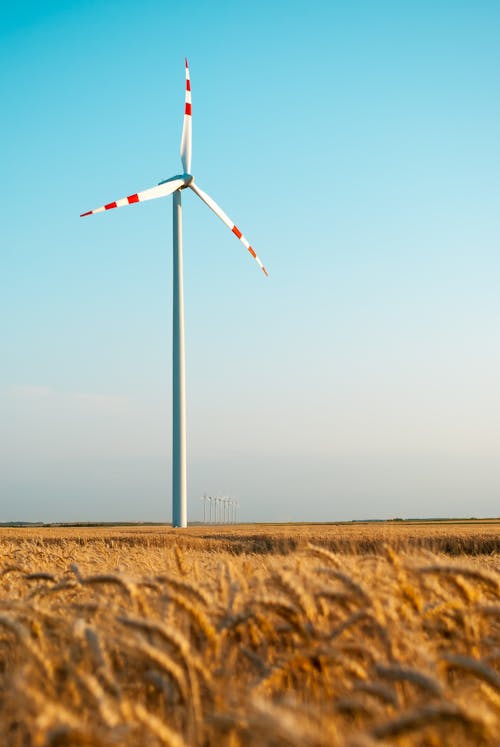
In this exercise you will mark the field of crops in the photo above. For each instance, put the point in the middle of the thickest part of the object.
(318, 636)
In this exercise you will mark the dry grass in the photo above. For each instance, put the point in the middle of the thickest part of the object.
(287, 636)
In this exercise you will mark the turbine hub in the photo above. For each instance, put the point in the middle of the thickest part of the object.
(188, 179)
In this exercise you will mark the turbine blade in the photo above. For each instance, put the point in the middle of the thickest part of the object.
(187, 127)
(229, 223)
(162, 190)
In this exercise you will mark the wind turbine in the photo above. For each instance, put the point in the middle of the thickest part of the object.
(173, 186)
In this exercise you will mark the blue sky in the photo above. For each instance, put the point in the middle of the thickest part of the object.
(356, 145)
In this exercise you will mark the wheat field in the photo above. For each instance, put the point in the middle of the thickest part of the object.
(318, 636)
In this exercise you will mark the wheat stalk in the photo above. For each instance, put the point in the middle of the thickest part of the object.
(398, 673)
(488, 579)
(425, 716)
(156, 726)
(198, 617)
(478, 668)
(165, 663)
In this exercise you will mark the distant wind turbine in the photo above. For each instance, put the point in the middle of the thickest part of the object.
(174, 186)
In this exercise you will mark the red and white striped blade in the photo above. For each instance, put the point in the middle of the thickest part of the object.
(187, 127)
(229, 223)
(162, 190)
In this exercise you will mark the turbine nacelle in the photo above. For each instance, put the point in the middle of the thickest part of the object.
(188, 179)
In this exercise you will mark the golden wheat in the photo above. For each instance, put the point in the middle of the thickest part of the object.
(274, 637)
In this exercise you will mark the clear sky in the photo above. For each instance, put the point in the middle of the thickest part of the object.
(357, 146)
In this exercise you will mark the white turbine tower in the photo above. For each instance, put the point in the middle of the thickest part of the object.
(174, 186)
